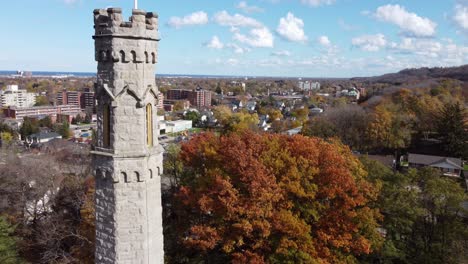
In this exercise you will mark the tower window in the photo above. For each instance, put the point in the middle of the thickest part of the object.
(153, 57)
(146, 57)
(122, 56)
(149, 125)
(134, 56)
(106, 126)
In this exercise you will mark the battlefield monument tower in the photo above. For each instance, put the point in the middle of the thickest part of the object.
(127, 158)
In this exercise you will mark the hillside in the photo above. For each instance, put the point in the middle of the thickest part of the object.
(413, 76)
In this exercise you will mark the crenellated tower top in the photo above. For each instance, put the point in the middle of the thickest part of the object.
(109, 22)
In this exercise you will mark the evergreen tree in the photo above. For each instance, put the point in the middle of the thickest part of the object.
(8, 250)
(64, 130)
(28, 128)
(46, 122)
(452, 128)
(88, 118)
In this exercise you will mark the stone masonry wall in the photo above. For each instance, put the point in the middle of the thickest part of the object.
(128, 183)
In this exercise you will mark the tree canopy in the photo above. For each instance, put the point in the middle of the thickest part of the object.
(260, 198)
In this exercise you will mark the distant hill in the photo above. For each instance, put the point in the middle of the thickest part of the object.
(412, 76)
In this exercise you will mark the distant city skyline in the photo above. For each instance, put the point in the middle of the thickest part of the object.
(316, 38)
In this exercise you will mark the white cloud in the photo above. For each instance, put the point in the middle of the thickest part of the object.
(197, 18)
(237, 49)
(291, 28)
(410, 23)
(324, 41)
(223, 18)
(316, 3)
(370, 42)
(214, 43)
(257, 37)
(461, 15)
(346, 26)
(232, 62)
(431, 52)
(248, 9)
(417, 46)
(281, 53)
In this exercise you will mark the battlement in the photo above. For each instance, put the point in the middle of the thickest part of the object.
(110, 22)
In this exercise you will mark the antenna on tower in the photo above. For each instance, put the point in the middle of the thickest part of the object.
(135, 4)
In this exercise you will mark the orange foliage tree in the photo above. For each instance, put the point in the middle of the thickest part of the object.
(269, 198)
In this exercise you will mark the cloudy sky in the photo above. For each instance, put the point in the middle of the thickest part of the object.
(314, 38)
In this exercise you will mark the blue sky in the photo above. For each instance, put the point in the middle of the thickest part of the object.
(316, 38)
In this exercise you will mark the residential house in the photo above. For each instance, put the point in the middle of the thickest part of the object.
(449, 166)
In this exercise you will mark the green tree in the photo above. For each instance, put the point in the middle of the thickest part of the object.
(452, 128)
(194, 116)
(41, 100)
(28, 127)
(218, 90)
(8, 247)
(63, 129)
(88, 118)
(423, 216)
(46, 122)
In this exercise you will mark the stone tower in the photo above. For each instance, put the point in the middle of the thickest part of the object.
(127, 158)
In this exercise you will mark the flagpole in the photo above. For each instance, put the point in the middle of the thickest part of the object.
(135, 4)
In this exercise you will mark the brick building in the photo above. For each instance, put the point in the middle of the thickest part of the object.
(85, 100)
(197, 98)
(41, 111)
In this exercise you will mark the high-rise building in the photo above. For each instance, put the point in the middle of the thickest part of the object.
(69, 98)
(88, 100)
(13, 96)
(127, 158)
(84, 99)
(198, 97)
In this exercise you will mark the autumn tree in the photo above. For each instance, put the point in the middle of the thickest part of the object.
(389, 129)
(235, 122)
(348, 123)
(319, 127)
(301, 114)
(261, 198)
(5, 138)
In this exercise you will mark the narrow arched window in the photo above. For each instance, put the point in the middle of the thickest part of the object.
(106, 125)
(134, 56)
(146, 57)
(137, 176)
(122, 56)
(124, 177)
(153, 57)
(149, 125)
